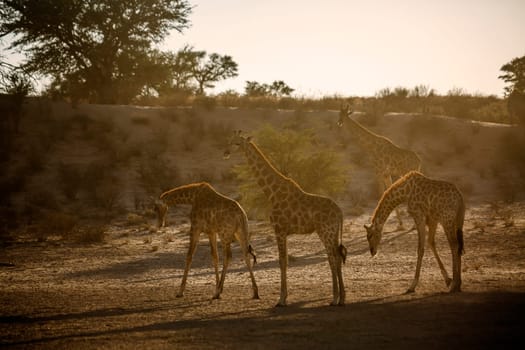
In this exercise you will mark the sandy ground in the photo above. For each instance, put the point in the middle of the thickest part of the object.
(121, 294)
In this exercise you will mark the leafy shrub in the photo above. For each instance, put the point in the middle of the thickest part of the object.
(293, 154)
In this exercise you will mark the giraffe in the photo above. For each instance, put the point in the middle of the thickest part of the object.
(429, 202)
(294, 211)
(214, 214)
(388, 160)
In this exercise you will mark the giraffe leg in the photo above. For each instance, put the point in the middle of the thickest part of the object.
(245, 251)
(452, 238)
(421, 230)
(335, 262)
(227, 255)
(339, 265)
(194, 238)
(283, 264)
(432, 226)
(214, 256)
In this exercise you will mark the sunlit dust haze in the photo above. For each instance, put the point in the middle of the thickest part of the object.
(356, 48)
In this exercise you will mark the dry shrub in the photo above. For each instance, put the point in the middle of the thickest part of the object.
(170, 114)
(69, 179)
(219, 132)
(158, 175)
(208, 103)
(91, 234)
(54, 223)
(135, 219)
(422, 126)
(141, 121)
(510, 169)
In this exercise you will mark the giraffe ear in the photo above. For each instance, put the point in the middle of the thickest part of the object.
(248, 139)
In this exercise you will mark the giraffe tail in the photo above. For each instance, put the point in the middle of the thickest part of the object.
(342, 249)
(252, 253)
(342, 252)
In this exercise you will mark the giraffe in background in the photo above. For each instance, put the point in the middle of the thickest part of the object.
(388, 160)
(294, 211)
(214, 214)
(429, 202)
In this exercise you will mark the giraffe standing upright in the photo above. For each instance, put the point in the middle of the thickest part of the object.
(388, 160)
(294, 211)
(429, 202)
(214, 214)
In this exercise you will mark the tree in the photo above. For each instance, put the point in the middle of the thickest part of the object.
(192, 71)
(255, 89)
(514, 73)
(276, 89)
(93, 49)
(211, 70)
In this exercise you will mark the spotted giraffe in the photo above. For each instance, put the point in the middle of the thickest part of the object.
(389, 161)
(429, 202)
(294, 211)
(214, 214)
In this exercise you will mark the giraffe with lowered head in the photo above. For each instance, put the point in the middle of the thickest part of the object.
(214, 214)
(294, 211)
(389, 161)
(429, 202)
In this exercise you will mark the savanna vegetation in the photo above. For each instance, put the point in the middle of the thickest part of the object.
(104, 52)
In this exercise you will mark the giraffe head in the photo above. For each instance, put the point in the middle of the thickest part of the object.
(344, 113)
(373, 235)
(236, 142)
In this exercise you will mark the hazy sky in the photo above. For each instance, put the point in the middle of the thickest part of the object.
(351, 47)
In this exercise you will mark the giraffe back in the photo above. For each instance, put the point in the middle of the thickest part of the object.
(439, 200)
(214, 212)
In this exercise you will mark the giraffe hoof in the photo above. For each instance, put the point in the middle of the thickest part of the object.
(256, 296)
(410, 291)
(279, 304)
(179, 295)
(216, 296)
(448, 281)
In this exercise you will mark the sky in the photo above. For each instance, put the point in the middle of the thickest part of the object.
(356, 48)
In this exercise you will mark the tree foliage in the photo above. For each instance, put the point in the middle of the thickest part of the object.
(190, 70)
(514, 74)
(277, 88)
(97, 50)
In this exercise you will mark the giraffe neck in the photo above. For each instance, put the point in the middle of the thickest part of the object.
(397, 194)
(364, 137)
(268, 177)
(182, 195)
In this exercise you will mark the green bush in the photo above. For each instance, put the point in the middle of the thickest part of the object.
(316, 169)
